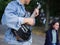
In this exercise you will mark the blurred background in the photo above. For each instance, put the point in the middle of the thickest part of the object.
(50, 9)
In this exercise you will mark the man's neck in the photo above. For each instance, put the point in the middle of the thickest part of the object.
(22, 1)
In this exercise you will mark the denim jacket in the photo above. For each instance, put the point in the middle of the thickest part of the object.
(13, 18)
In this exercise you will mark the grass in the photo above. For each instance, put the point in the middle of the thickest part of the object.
(38, 31)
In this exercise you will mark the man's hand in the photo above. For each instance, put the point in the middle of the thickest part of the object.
(29, 21)
(35, 13)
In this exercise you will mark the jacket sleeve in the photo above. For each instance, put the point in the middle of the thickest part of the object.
(10, 18)
(58, 39)
(48, 38)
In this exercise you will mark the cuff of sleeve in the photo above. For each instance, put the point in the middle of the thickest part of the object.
(21, 20)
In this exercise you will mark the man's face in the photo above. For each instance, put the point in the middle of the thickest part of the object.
(27, 1)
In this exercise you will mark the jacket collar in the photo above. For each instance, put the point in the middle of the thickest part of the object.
(19, 2)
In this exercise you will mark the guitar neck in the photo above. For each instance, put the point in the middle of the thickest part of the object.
(38, 7)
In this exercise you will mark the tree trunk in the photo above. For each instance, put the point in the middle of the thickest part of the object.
(47, 16)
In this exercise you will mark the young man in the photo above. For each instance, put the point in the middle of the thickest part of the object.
(13, 17)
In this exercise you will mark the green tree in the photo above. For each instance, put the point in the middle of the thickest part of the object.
(3, 4)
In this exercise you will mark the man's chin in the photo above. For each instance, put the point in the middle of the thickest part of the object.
(27, 3)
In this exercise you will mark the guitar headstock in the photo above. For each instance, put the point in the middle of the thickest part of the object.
(39, 5)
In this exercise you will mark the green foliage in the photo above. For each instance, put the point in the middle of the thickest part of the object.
(3, 4)
(31, 6)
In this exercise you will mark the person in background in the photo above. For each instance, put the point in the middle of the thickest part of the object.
(52, 37)
(14, 16)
